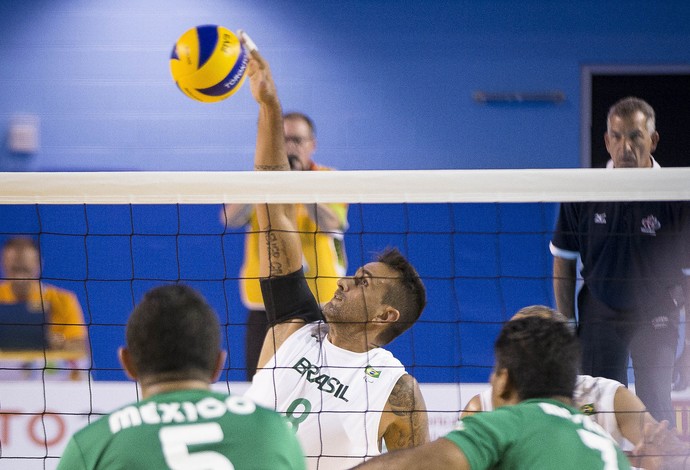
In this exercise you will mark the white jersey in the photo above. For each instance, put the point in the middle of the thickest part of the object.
(333, 397)
(594, 397)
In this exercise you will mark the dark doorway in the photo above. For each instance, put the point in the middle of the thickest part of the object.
(668, 91)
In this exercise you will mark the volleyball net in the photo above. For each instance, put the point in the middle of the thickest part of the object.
(478, 238)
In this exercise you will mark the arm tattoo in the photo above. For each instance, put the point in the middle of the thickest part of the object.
(276, 251)
(401, 398)
(413, 427)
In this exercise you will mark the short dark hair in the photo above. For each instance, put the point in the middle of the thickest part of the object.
(173, 334)
(630, 105)
(407, 295)
(303, 117)
(541, 355)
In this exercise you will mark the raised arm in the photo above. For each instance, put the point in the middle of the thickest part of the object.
(281, 253)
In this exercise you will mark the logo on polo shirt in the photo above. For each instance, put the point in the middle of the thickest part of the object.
(660, 322)
(650, 225)
(600, 218)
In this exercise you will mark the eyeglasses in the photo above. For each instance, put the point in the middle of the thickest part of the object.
(290, 139)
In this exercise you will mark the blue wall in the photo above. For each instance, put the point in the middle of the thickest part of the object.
(480, 263)
(389, 83)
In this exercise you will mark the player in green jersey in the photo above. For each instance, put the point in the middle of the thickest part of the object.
(173, 350)
(536, 367)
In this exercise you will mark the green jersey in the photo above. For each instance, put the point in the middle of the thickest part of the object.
(536, 434)
(186, 430)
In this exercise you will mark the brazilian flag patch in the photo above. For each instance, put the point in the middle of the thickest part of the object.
(588, 409)
(371, 372)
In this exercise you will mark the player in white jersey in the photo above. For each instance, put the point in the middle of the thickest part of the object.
(595, 397)
(334, 408)
(608, 402)
(346, 395)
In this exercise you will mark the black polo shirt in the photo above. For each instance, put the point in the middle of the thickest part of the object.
(633, 253)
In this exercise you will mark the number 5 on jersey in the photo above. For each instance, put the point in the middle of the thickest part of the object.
(175, 442)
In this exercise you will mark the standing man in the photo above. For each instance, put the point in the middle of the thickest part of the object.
(21, 268)
(321, 228)
(343, 392)
(633, 256)
(173, 350)
(537, 361)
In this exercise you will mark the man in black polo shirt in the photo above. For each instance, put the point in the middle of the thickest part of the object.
(633, 257)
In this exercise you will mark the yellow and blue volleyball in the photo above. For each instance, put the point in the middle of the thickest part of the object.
(208, 63)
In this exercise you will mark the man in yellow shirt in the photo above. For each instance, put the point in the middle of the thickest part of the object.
(21, 268)
(321, 228)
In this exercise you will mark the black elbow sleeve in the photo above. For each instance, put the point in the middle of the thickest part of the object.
(288, 297)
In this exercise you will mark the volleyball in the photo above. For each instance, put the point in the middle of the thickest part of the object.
(208, 63)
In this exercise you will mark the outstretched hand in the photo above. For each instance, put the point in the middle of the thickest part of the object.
(648, 453)
(661, 448)
(260, 78)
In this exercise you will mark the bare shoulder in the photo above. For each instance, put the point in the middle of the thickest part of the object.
(473, 406)
(406, 396)
(626, 401)
(404, 422)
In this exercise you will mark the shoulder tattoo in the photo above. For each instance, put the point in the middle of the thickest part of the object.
(402, 397)
(412, 426)
(276, 251)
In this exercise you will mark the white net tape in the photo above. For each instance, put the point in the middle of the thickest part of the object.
(346, 186)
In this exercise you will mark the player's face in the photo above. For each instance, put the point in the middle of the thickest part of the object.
(21, 263)
(360, 298)
(299, 141)
(22, 266)
(629, 142)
